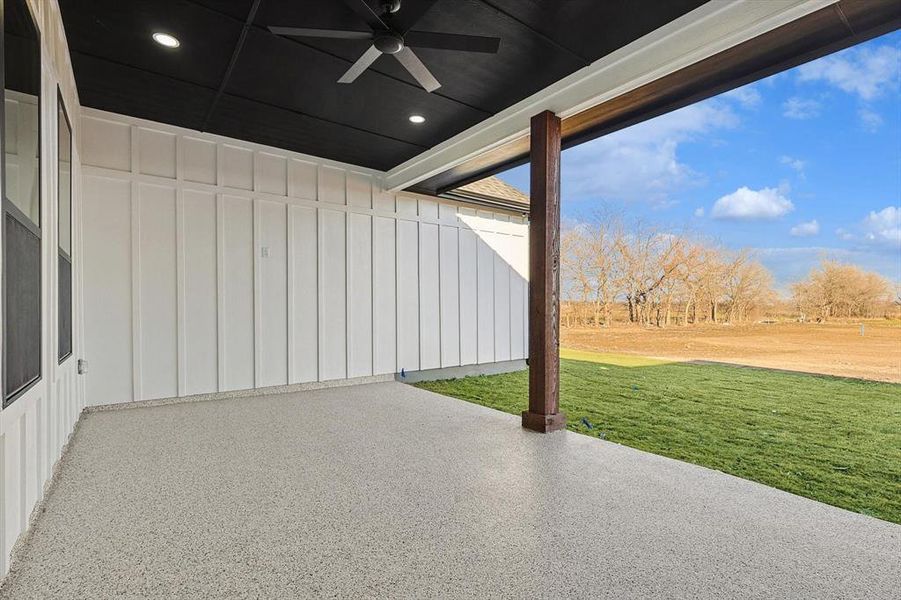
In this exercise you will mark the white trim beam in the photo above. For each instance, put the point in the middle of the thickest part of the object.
(697, 35)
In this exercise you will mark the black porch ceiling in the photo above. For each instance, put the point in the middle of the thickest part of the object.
(233, 77)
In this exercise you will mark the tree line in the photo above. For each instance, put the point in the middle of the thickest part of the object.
(610, 267)
(840, 290)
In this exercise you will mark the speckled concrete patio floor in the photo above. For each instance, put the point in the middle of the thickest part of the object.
(385, 490)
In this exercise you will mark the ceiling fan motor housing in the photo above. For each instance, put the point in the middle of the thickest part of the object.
(388, 37)
(388, 43)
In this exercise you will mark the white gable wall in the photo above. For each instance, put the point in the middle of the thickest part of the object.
(215, 265)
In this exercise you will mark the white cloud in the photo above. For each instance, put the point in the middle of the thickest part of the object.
(844, 234)
(883, 227)
(747, 205)
(641, 163)
(866, 72)
(699, 212)
(800, 108)
(869, 119)
(794, 163)
(879, 229)
(806, 229)
(747, 96)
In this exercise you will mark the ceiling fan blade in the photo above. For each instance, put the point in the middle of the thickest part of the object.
(337, 34)
(361, 65)
(365, 12)
(411, 63)
(452, 41)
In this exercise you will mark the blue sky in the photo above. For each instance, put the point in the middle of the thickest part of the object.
(803, 165)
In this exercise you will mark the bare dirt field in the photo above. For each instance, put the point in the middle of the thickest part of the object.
(827, 348)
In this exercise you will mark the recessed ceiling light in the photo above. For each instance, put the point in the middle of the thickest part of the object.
(164, 39)
(417, 119)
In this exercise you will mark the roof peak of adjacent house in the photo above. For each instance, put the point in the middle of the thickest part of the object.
(496, 190)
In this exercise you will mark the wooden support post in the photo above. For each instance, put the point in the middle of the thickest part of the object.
(544, 277)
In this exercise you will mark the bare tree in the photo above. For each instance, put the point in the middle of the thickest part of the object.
(576, 282)
(659, 277)
(691, 278)
(748, 287)
(840, 290)
(713, 274)
(603, 235)
(649, 258)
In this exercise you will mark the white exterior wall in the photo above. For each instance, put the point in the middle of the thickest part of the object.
(36, 426)
(215, 265)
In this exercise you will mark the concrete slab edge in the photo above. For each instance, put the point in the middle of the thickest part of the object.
(495, 368)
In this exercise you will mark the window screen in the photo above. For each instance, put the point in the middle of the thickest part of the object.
(21, 201)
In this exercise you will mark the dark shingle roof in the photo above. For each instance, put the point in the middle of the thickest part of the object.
(494, 188)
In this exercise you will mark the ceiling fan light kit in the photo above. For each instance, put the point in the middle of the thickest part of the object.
(387, 39)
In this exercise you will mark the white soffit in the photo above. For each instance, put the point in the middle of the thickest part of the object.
(695, 36)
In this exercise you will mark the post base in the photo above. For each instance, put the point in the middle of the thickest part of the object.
(543, 423)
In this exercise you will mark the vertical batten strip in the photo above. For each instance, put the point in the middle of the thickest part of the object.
(511, 352)
(438, 313)
(348, 289)
(23, 471)
(136, 290)
(257, 300)
(33, 466)
(372, 288)
(319, 294)
(49, 427)
(135, 265)
(289, 324)
(494, 258)
(220, 293)
(459, 288)
(370, 206)
(40, 435)
(419, 283)
(525, 297)
(292, 294)
(373, 278)
(397, 363)
(478, 301)
(180, 292)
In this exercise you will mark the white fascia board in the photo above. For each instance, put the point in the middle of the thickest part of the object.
(695, 36)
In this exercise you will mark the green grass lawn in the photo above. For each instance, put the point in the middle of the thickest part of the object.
(831, 439)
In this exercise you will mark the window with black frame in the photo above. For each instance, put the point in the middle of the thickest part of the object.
(21, 179)
(64, 216)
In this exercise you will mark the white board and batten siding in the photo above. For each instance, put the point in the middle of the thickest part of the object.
(215, 265)
(35, 427)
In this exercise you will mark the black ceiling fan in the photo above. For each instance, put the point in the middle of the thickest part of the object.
(389, 39)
